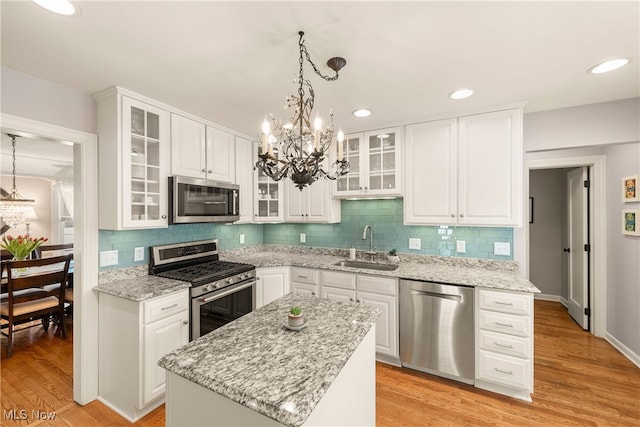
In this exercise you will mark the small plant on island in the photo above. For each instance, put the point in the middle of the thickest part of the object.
(295, 317)
(296, 311)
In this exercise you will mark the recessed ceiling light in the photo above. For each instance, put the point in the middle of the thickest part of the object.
(61, 7)
(461, 94)
(607, 66)
(361, 112)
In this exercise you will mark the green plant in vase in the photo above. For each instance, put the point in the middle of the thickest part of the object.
(295, 317)
(20, 247)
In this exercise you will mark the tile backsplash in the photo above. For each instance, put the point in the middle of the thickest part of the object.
(384, 217)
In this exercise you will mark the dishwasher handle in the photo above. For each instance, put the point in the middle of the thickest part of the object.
(457, 298)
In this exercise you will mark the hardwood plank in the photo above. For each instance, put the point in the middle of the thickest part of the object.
(580, 380)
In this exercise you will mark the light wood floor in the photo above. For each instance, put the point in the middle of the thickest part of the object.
(580, 380)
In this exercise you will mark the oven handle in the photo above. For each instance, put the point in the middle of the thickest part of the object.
(228, 291)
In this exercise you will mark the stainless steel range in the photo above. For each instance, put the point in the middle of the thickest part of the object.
(221, 291)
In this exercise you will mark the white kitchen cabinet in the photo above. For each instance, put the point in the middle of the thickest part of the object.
(465, 171)
(134, 144)
(271, 284)
(504, 342)
(201, 151)
(269, 196)
(375, 164)
(244, 178)
(311, 204)
(374, 291)
(132, 337)
(304, 281)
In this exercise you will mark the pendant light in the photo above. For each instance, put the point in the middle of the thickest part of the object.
(14, 209)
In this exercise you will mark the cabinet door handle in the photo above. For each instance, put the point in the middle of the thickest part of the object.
(503, 371)
(503, 303)
(303, 277)
(204, 170)
(506, 325)
(313, 294)
(461, 215)
(503, 345)
(168, 308)
(210, 171)
(164, 217)
(453, 215)
(350, 299)
(358, 301)
(185, 322)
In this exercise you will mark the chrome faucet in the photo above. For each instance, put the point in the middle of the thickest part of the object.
(370, 252)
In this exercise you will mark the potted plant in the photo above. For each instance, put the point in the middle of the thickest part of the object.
(393, 257)
(295, 317)
(22, 246)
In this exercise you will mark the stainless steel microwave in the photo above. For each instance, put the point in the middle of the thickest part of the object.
(199, 200)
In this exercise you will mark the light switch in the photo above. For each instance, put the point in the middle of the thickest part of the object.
(502, 248)
(415, 244)
(242, 239)
(108, 258)
(461, 246)
(303, 238)
(138, 254)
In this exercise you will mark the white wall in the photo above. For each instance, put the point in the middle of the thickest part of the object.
(39, 190)
(25, 95)
(596, 124)
(623, 252)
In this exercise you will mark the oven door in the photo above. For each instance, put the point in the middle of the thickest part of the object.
(215, 309)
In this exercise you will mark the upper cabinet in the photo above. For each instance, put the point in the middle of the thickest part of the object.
(201, 151)
(374, 158)
(312, 203)
(244, 177)
(134, 161)
(269, 196)
(465, 170)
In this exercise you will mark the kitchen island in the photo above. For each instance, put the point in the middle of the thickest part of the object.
(254, 371)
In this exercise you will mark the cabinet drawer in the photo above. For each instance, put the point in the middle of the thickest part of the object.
(505, 323)
(520, 303)
(506, 370)
(165, 306)
(303, 275)
(505, 344)
(338, 280)
(380, 285)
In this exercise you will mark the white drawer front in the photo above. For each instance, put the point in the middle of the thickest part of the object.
(505, 323)
(166, 306)
(379, 285)
(304, 275)
(505, 344)
(520, 303)
(505, 370)
(338, 280)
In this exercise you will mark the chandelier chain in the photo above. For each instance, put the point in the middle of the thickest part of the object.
(304, 48)
(13, 147)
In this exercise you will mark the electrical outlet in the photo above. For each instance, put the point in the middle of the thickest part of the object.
(415, 244)
(303, 238)
(138, 254)
(242, 239)
(502, 248)
(108, 258)
(461, 246)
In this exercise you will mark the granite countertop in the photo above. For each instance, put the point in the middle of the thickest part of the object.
(449, 270)
(136, 285)
(282, 374)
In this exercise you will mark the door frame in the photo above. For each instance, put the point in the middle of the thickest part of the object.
(85, 179)
(598, 294)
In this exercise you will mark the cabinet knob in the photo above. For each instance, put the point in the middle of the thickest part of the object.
(453, 215)
(313, 294)
(358, 301)
(351, 299)
(185, 322)
(164, 217)
(461, 215)
(203, 170)
(210, 171)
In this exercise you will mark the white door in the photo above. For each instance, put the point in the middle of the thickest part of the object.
(578, 257)
(221, 158)
(187, 147)
(386, 325)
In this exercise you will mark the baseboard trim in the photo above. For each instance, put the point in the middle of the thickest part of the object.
(548, 297)
(626, 351)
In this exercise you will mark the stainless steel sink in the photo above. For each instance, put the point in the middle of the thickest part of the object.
(367, 265)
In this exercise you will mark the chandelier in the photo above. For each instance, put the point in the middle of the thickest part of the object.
(294, 149)
(15, 209)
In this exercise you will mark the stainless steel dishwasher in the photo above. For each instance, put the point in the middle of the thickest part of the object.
(436, 329)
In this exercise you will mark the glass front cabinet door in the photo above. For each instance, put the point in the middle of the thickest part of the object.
(145, 159)
(374, 158)
(268, 206)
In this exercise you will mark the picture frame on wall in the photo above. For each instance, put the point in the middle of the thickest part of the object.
(630, 225)
(630, 192)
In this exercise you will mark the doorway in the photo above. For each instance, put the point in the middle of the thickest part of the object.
(85, 205)
(559, 238)
(596, 299)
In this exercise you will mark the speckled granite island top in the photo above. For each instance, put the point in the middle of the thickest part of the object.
(449, 270)
(256, 362)
(136, 285)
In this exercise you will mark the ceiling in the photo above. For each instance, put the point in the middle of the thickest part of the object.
(36, 157)
(233, 61)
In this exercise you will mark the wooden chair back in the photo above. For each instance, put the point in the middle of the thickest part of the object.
(62, 249)
(40, 272)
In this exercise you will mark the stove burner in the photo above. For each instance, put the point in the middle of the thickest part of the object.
(207, 271)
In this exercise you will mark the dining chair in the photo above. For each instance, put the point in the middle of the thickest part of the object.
(54, 250)
(27, 299)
